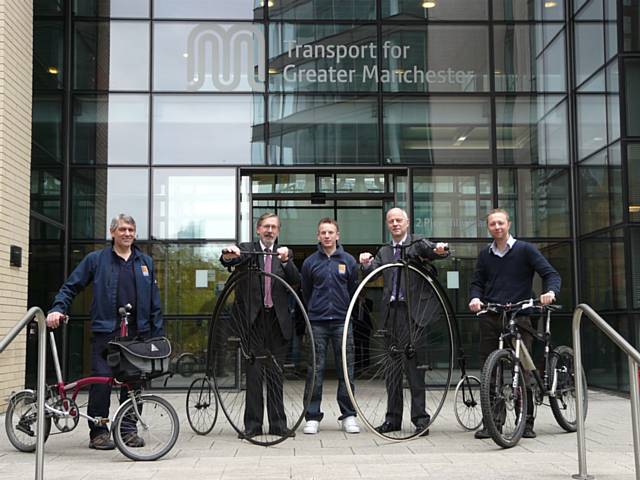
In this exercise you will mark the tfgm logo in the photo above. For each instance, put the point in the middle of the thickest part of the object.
(235, 52)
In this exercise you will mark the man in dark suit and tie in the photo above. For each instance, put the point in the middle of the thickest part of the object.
(394, 311)
(270, 322)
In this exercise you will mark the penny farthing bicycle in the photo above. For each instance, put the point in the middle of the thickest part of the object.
(242, 349)
(403, 368)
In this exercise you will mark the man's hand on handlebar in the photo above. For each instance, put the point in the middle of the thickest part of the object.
(230, 252)
(55, 318)
(365, 258)
(475, 305)
(547, 298)
(442, 249)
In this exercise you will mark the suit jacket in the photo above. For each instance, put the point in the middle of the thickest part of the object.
(417, 295)
(279, 294)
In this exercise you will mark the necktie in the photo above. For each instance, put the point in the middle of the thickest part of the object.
(268, 301)
(396, 294)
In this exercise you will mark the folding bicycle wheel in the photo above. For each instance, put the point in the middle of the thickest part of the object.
(504, 401)
(402, 369)
(202, 406)
(253, 366)
(153, 419)
(21, 421)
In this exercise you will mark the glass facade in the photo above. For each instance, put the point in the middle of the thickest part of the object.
(197, 116)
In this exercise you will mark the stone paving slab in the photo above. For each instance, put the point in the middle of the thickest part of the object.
(447, 453)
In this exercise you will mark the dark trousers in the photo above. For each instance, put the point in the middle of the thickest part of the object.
(399, 335)
(266, 340)
(325, 333)
(490, 329)
(100, 393)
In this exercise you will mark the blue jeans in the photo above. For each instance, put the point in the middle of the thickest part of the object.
(323, 333)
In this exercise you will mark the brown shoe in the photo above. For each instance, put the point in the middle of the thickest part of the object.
(133, 440)
(102, 441)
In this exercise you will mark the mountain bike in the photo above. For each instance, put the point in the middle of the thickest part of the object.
(240, 340)
(508, 371)
(151, 417)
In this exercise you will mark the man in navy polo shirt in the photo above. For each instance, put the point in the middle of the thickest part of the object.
(504, 274)
(329, 280)
(121, 274)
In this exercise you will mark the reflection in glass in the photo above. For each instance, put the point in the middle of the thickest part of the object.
(592, 123)
(528, 10)
(360, 226)
(436, 130)
(48, 54)
(98, 195)
(208, 9)
(560, 257)
(440, 10)
(47, 7)
(46, 192)
(589, 54)
(190, 278)
(46, 130)
(632, 85)
(208, 57)
(436, 58)
(603, 272)
(451, 203)
(208, 129)
(532, 130)
(635, 266)
(299, 225)
(594, 182)
(111, 129)
(111, 55)
(111, 8)
(322, 58)
(322, 10)
(322, 130)
(194, 203)
(536, 200)
(631, 26)
(633, 175)
(530, 58)
(295, 183)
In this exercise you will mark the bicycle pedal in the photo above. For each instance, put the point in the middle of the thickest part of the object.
(101, 421)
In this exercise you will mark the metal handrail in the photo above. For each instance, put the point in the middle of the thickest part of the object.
(42, 359)
(634, 360)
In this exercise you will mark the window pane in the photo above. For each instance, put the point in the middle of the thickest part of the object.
(111, 55)
(360, 226)
(46, 137)
(592, 124)
(322, 130)
(589, 41)
(451, 203)
(631, 25)
(594, 193)
(46, 192)
(208, 57)
(323, 10)
(532, 130)
(560, 257)
(530, 58)
(112, 8)
(111, 129)
(633, 174)
(635, 265)
(528, 10)
(436, 58)
(45, 264)
(457, 10)
(208, 129)
(177, 265)
(47, 7)
(299, 225)
(208, 9)
(194, 203)
(603, 272)
(632, 83)
(48, 55)
(436, 130)
(98, 195)
(322, 58)
(536, 200)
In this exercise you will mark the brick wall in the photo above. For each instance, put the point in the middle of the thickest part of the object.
(16, 33)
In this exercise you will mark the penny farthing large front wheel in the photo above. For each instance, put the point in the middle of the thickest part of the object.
(259, 374)
(402, 369)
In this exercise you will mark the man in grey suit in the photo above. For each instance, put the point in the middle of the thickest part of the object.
(269, 320)
(394, 311)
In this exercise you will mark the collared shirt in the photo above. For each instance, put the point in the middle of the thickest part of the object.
(395, 244)
(494, 248)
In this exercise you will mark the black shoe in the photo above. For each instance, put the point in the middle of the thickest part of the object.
(482, 434)
(528, 432)
(420, 430)
(253, 432)
(279, 432)
(387, 427)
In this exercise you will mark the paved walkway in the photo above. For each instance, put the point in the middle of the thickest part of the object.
(447, 453)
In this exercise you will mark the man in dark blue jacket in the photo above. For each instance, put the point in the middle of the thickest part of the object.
(329, 279)
(504, 274)
(121, 274)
